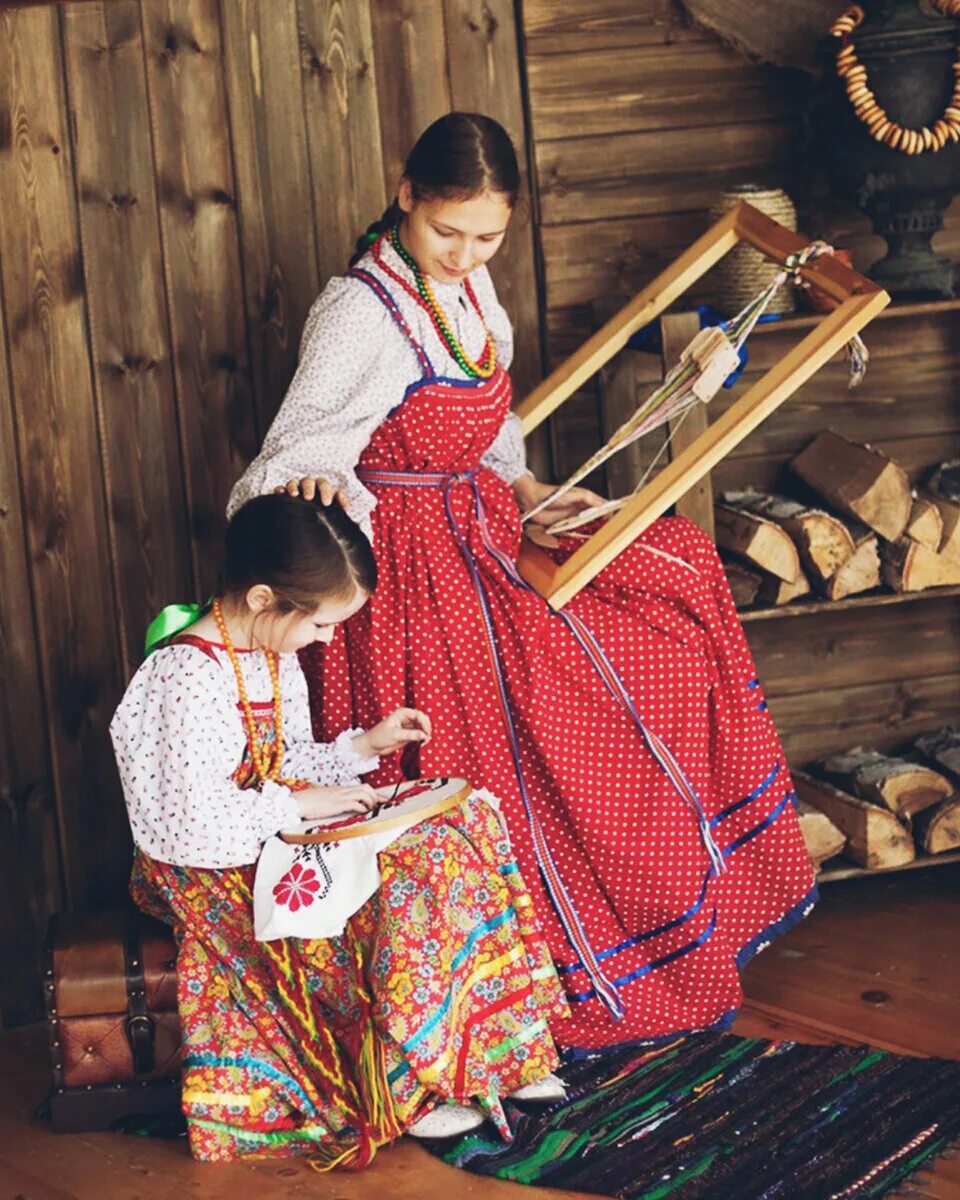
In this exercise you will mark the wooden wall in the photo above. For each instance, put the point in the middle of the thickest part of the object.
(178, 179)
(638, 121)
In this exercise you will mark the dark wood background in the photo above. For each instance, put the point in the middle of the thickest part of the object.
(179, 178)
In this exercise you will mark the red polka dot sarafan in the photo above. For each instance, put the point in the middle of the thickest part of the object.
(650, 899)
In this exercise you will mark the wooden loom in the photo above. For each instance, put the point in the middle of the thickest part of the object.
(859, 300)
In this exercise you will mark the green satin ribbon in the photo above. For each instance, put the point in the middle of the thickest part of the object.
(170, 621)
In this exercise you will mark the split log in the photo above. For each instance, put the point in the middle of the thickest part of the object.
(910, 567)
(821, 837)
(950, 519)
(857, 480)
(825, 541)
(943, 749)
(943, 490)
(778, 591)
(926, 524)
(903, 787)
(744, 583)
(938, 829)
(876, 837)
(754, 536)
(859, 573)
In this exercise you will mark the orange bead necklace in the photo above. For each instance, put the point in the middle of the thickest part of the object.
(266, 758)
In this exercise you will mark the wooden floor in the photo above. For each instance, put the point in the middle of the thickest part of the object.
(878, 961)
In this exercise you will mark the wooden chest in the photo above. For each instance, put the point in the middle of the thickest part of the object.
(110, 990)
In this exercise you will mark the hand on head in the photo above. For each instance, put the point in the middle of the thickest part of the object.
(310, 488)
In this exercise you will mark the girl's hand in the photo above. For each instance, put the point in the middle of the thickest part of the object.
(393, 733)
(530, 492)
(309, 487)
(315, 801)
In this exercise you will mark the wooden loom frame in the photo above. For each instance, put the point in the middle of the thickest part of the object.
(859, 300)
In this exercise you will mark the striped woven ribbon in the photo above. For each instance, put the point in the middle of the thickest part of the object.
(559, 895)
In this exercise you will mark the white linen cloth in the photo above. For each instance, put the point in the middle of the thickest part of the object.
(312, 891)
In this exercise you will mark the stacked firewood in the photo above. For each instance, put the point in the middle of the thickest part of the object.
(869, 529)
(882, 810)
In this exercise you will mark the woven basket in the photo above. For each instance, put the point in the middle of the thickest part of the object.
(744, 272)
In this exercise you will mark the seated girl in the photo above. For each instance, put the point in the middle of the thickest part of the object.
(435, 1000)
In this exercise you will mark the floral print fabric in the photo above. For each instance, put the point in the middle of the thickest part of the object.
(440, 986)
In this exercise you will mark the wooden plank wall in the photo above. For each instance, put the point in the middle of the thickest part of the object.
(638, 121)
(178, 179)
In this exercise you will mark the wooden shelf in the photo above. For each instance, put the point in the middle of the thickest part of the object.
(850, 871)
(842, 868)
(808, 320)
(802, 608)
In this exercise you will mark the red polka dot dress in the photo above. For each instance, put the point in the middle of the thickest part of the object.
(641, 775)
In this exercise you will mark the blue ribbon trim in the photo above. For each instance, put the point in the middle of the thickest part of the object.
(650, 933)
(782, 925)
(655, 964)
(458, 959)
(749, 798)
(692, 911)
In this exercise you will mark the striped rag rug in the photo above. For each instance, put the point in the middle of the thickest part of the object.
(717, 1117)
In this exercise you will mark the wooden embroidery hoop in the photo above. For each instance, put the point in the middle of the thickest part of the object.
(389, 820)
(859, 300)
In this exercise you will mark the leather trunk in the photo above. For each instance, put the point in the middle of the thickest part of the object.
(111, 998)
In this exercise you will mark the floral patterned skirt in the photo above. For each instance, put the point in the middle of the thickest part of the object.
(441, 986)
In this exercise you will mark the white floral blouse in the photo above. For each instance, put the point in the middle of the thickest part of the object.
(179, 739)
(356, 365)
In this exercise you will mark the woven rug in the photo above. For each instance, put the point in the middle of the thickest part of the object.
(716, 1117)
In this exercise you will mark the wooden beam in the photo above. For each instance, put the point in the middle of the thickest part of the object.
(133, 371)
(183, 52)
(268, 142)
(57, 425)
(645, 307)
(766, 395)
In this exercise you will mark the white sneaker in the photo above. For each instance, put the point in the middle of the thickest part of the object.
(543, 1091)
(447, 1120)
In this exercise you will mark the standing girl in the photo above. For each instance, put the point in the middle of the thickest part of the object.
(440, 988)
(645, 788)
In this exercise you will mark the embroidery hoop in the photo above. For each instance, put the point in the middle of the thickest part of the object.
(401, 811)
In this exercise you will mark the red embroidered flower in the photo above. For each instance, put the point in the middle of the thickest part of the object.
(298, 888)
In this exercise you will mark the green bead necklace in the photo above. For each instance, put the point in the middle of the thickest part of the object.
(426, 297)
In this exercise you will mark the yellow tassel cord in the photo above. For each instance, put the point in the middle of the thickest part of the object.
(377, 1117)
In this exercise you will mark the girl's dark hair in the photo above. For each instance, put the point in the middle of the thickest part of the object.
(455, 158)
(305, 551)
